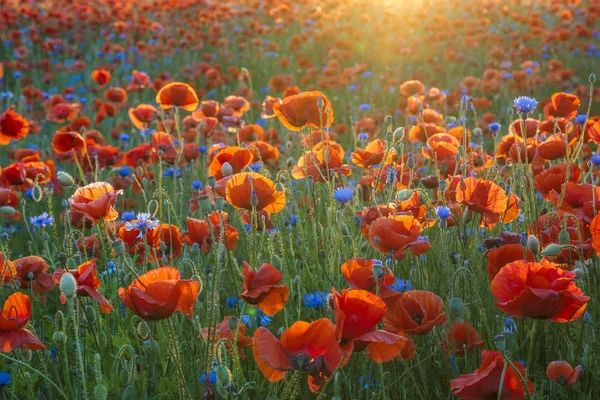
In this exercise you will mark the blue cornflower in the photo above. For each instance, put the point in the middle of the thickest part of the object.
(352, 88)
(111, 267)
(232, 301)
(124, 137)
(363, 136)
(343, 195)
(202, 149)
(595, 159)
(525, 105)
(442, 212)
(17, 74)
(255, 167)
(315, 299)
(494, 127)
(212, 377)
(127, 216)
(4, 378)
(256, 318)
(124, 171)
(197, 185)
(144, 222)
(509, 325)
(42, 220)
(581, 118)
(364, 107)
(401, 285)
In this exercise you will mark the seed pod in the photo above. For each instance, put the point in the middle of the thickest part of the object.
(65, 179)
(552, 250)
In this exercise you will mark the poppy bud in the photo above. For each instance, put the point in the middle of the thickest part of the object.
(8, 211)
(563, 237)
(152, 207)
(232, 323)
(142, 330)
(65, 179)
(320, 102)
(100, 392)
(71, 264)
(430, 182)
(226, 169)
(477, 132)
(592, 77)
(457, 308)
(552, 250)
(211, 181)
(90, 314)
(37, 193)
(224, 375)
(399, 134)
(377, 268)
(195, 248)
(288, 145)
(404, 195)
(500, 342)
(62, 259)
(253, 199)
(411, 161)
(442, 184)
(533, 244)
(68, 285)
(468, 216)
(119, 247)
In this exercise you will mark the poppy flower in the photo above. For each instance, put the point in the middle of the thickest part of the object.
(177, 94)
(237, 104)
(410, 88)
(13, 126)
(554, 147)
(201, 233)
(538, 290)
(562, 373)
(359, 274)
(68, 142)
(484, 382)
(143, 241)
(262, 288)
(553, 178)
(373, 154)
(31, 272)
(498, 257)
(232, 329)
(304, 346)
(301, 110)
(263, 152)
(87, 284)
(15, 315)
(562, 105)
(252, 191)
(267, 107)
(142, 115)
(369, 214)
(357, 313)
(461, 336)
(158, 293)
(321, 162)
(549, 229)
(207, 109)
(101, 76)
(172, 244)
(63, 111)
(115, 95)
(483, 197)
(415, 312)
(238, 158)
(398, 233)
(96, 201)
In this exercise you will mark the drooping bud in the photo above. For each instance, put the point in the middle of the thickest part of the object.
(457, 309)
(68, 285)
(552, 250)
(563, 237)
(533, 244)
(65, 179)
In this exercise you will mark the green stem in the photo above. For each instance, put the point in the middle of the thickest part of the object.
(58, 389)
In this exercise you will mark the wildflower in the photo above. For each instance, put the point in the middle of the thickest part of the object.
(246, 188)
(525, 105)
(595, 159)
(401, 285)
(4, 378)
(442, 212)
(212, 377)
(13, 318)
(315, 299)
(343, 195)
(364, 107)
(144, 222)
(562, 373)
(96, 201)
(461, 337)
(31, 272)
(42, 220)
(262, 288)
(86, 284)
(494, 127)
(232, 301)
(415, 312)
(127, 216)
(256, 318)
(301, 110)
(13, 126)
(111, 267)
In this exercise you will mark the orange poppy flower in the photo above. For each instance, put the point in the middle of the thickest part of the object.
(529, 126)
(373, 154)
(461, 336)
(13, 126)
(263, 151)
(101, 76)
(68, 143)
(500, 256)
(141, 154)
(115, 95)
(9, 198)
(538, 290)
(562, 373)
(232, 329)
(237, 104)
(412, 206)
(31, 272)
(554, 147)
(357, 313)
(96, 201)
(15, 315)
(304, 346)
(398, 233)
(359, 274)
(207, 109)
(370, 214)
(261, 220)
(237, 157)
(563, 105)
(267, 107)
(158, 293)
(252, 191)
(553, 178)
(483, 197)
(87, 284)
(142, 115)
(63, 111)
(172, 244)
(261, 288)
(410, 88)
(249, 133)
(325, 159)
(420, 133)
(548, 228)
(200, 232)
(301, 110)
(177, 94)
(484, 382)
(415, 312)
(141, 244)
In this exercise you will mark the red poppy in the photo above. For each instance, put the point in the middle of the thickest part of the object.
(500, 256)
(415, 312)
(142, 115)
(115, 95)
(207, 109)
(562, 373)
(554, 178)
(267, 107)
(14, 317)
(550, 228)
(142, 245)
(238, 158)
(201, 233)
(360, 274)
(304, 346)
(483, 197)
(563, 105)
(410, 88)
(263, 152)
(87, 284)
(252, 191)
(301, 110)
(553, 148)
(31, 272)
(262, 288)
(232, 329)
(373, 154)
(398, 233)
(171, 241)
(96, 201)
(370, 214)
(157, 294)
(357, 313)
(101, 76)
(177, 94)
(323, 160)
(460, 337)
(484, 382)
(13, 126)
(68, 143)
(538, 290)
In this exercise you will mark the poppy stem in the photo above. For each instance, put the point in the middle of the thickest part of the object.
(177, 359)
(531, 344)
(502, 381)
(54, 385)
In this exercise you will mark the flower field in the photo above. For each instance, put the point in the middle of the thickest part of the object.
(312, 199)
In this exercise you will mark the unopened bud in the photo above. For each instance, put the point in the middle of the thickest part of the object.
(533, 244)
(552, 250)
(68, 285)
(226, 169)
(65, 179)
